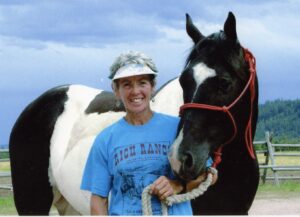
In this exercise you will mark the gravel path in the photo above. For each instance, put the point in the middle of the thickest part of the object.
(276, 204)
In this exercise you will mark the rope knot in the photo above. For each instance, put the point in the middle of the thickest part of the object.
(224, 109)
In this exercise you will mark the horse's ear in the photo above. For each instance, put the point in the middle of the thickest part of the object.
(192, 30)
(230, 27)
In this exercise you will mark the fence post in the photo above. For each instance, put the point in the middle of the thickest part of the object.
(264, 176)
(271, 154)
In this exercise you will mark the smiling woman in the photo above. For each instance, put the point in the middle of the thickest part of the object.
(133, 75)
(136, 137)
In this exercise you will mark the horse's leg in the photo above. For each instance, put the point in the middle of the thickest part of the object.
(62, 205)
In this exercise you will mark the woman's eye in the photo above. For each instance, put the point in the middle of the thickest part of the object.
(143, 82)
(125, 85)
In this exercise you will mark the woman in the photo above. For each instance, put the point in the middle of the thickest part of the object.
(132, 153)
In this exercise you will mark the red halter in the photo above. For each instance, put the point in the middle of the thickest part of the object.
(226, 109)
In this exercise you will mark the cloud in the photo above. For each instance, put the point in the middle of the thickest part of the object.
(89, 23)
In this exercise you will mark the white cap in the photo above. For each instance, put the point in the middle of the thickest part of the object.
(132, 70)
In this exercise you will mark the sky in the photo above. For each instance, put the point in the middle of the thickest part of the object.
(44, 44)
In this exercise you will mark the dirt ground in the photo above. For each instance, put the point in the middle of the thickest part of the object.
(276, 204)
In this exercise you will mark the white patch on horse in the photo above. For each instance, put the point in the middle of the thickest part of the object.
(201, 72)
(169, 98)
(173, 154)
(79, 98)
(75, 160)
(72, 138)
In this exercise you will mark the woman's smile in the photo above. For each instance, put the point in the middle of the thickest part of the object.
(137, 100)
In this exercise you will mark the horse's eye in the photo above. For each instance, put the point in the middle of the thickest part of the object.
(224, 84)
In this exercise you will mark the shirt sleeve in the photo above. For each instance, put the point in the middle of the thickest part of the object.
(96, 176)
(209, 162)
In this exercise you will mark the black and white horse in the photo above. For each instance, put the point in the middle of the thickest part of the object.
(51, 139)
(218, 119)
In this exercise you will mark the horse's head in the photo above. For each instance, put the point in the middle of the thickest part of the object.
(215, 74)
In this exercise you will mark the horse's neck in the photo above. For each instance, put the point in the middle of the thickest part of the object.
(169, 98)
(238, 147)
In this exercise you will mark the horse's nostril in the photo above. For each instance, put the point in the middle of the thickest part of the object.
(188, 161)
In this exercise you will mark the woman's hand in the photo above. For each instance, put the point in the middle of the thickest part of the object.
(196, 182)
(164, 187)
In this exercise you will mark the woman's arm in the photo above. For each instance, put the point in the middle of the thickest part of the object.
(99, 205)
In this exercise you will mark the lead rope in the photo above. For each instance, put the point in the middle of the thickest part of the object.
(177, 198)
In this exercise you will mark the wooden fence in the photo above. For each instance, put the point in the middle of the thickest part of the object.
(270, 152)
(268, 149)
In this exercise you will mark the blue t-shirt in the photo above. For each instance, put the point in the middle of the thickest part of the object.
(125, 159)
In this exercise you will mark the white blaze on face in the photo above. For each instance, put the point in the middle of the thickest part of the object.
(201, 72)
(173, 155)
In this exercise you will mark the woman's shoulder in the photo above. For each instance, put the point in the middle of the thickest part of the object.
(167, 117)
(108, 131)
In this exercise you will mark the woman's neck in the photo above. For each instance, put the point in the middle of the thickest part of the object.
(138, 118)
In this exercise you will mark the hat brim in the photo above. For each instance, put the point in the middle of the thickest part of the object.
(133, 70)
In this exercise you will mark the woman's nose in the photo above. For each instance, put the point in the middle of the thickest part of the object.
(135, 88)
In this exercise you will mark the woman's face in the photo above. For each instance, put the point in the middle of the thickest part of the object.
(135, 93)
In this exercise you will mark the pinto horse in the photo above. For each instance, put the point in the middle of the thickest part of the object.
(52, 137)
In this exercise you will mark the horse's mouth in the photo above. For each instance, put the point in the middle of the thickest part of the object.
(191, 174)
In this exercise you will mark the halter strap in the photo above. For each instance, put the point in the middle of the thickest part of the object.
(226, 109)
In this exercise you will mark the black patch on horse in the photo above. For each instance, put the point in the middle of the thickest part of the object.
(104, 102)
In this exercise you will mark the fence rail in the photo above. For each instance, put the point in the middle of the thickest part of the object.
(270, 154)
(269, 151)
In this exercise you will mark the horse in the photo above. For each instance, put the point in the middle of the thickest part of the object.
(51, 138)
(219, 118)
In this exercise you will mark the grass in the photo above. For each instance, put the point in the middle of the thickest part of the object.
(285, 187)
(7, 206)
(4, 166)
(281, 160)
